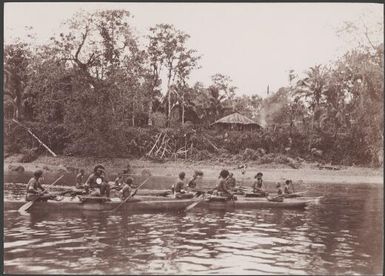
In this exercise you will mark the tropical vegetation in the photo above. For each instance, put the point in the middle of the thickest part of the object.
(94, 90)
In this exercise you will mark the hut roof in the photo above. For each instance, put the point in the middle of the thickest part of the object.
(236, 118)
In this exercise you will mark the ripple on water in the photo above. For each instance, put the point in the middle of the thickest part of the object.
(21, 243)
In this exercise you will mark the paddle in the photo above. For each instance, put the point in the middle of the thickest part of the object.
(188, 208)
(71, 192)
(275, 199)
(130, 196)
(297, 194)
(22, 210)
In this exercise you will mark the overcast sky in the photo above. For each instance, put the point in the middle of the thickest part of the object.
(256, 44)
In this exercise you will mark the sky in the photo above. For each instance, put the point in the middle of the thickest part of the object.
(256, 44)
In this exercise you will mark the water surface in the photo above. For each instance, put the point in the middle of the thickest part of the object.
(342, 235)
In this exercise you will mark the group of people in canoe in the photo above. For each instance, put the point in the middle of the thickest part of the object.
(96, 185)
(226, 187)
(180, 191)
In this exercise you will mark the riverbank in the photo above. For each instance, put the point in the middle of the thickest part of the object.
(308, 172)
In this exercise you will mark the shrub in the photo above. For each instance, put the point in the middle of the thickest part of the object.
(29, 155)
(159, 119)
(200, 155)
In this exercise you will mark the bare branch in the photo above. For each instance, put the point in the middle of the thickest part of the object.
(84, 37)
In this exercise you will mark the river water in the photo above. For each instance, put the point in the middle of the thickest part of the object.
(342, 235)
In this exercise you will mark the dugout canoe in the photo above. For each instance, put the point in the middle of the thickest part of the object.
(141, 192)
(161, 205)
(258, 203)
(76, 205)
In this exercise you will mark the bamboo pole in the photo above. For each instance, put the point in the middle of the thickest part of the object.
(161, 144)
(34, 136)
(158, 136)
(164, 148)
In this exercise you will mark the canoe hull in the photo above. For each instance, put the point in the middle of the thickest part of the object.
(76, 205)
(159, 205)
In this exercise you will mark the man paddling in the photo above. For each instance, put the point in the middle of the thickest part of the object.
(126, 189)
(35, 190)
(120, 181)
(97, 183)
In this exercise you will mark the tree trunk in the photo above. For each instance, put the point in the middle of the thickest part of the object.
(183, 111)
(169, 103)
(150, 113)
(133, 114)
(311, 133)
(312, 126)
(18, 93)
(133, 119)
(169, 108)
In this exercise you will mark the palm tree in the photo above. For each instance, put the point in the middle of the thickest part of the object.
(312, 90)
(216, 100)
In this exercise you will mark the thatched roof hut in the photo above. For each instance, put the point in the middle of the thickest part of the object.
(237, 121)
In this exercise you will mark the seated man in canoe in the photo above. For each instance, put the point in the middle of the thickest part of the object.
(231, 182)
(126, 189)
(35, 190)
(81, 188)
(178, 188)
(280, 194)
(290, 193)
(80, 180)
(221, 191)
(286, 189)
(192, 184)
(120, 181)
(232, 185)
(97, 183)
(258, 186)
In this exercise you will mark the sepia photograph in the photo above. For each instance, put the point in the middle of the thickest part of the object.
(183, 138)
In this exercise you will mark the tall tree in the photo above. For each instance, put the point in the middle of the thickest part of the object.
(16, 64)
(187, 62)
(167, 49)
(102, 46)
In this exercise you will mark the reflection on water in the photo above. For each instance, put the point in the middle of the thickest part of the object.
(343, 235)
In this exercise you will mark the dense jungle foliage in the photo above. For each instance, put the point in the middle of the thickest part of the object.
(93, 90)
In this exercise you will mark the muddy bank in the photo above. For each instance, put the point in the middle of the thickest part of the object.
(168, 171)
